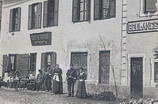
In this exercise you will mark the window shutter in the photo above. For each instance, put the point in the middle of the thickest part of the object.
(30, 17)
(5, 63)
(11, 21)
(97, 4)
(150, 6)
(75, 11)
(112, 10)
(19, 19)
(43, 61)
(45, 15)
(56, 12)
(88, 9)
(39, 12)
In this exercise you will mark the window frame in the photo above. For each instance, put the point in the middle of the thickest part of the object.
(155, 72)
(13, 26)
(85, 11)
(101, 9)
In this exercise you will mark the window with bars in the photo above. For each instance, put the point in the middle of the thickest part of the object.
(15, 19)
(104, 9)
(156, 71)
(150, 6)
(81, 10)
(50, 15)
(35, 14)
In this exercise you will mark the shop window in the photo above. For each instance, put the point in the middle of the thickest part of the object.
(150, 6)
(35, 14)
(50, 16)
(104, 9)
(33, 57)
(48, 58)
(15, 19)
(81, 10)
(156, 71)
(104, 67)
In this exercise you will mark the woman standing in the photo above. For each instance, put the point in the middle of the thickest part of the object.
(57, 80)
(81, 90)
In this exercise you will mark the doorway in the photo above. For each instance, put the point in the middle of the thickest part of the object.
(136, 77)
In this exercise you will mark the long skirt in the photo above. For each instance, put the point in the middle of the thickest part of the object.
(57, 87)
(81, 90)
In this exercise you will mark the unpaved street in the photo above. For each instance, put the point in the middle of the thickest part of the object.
(10, 96)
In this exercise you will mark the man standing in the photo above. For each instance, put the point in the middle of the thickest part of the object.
(39, 82)
(71, 79)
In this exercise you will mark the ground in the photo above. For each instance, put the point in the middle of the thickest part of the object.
(10, 96)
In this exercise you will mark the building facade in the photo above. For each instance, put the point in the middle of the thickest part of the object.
(37, 33)
(142, 42)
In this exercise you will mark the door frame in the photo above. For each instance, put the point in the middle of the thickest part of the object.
(129, 69)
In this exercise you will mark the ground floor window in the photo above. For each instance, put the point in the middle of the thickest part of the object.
(156, 71)
(33, 57)
(48, 58)
(104, 67)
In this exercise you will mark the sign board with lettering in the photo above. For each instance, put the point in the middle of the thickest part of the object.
(142, 26)
(40, 39)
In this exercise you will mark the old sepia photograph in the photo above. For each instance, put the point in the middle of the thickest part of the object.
(78, 51)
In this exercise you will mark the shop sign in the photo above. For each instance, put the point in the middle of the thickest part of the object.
(142, 26)
(39, 39)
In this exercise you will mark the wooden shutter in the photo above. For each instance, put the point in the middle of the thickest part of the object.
(56, 12)
(33, 57)
(88, 9)
(75, 11)
(97, 4)
(45, 14)
(19, 19)
(5, 63)
(30, 17)
(112, 9)
(156, 71)
(39, 14)
(11, 21)
(150, 6)
(22, 64)
(43, 61)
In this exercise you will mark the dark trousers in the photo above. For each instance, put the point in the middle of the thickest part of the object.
(71, 88)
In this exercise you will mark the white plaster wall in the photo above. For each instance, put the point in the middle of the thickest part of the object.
(90, 36)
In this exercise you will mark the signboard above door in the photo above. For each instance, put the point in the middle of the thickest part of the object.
(40, 39)
(142, 26)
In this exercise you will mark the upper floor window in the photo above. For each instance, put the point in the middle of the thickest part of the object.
(15, 19)
(35, 14)
(104, 9)
(156, 71)
(81, 10)
(150, 6)
(50, 17)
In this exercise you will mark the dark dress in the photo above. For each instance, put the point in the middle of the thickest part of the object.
(81, 88)
(57, 81)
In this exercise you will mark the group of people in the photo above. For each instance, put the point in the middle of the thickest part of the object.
(51, 80)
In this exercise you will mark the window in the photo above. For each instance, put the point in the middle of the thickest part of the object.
(50, 16)
(150, 6)
(33, 62)
(156, 71)
(15, 19)
(48, 58)
(104, 9)
(12, 63)
(81, 10)
(35, 14)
